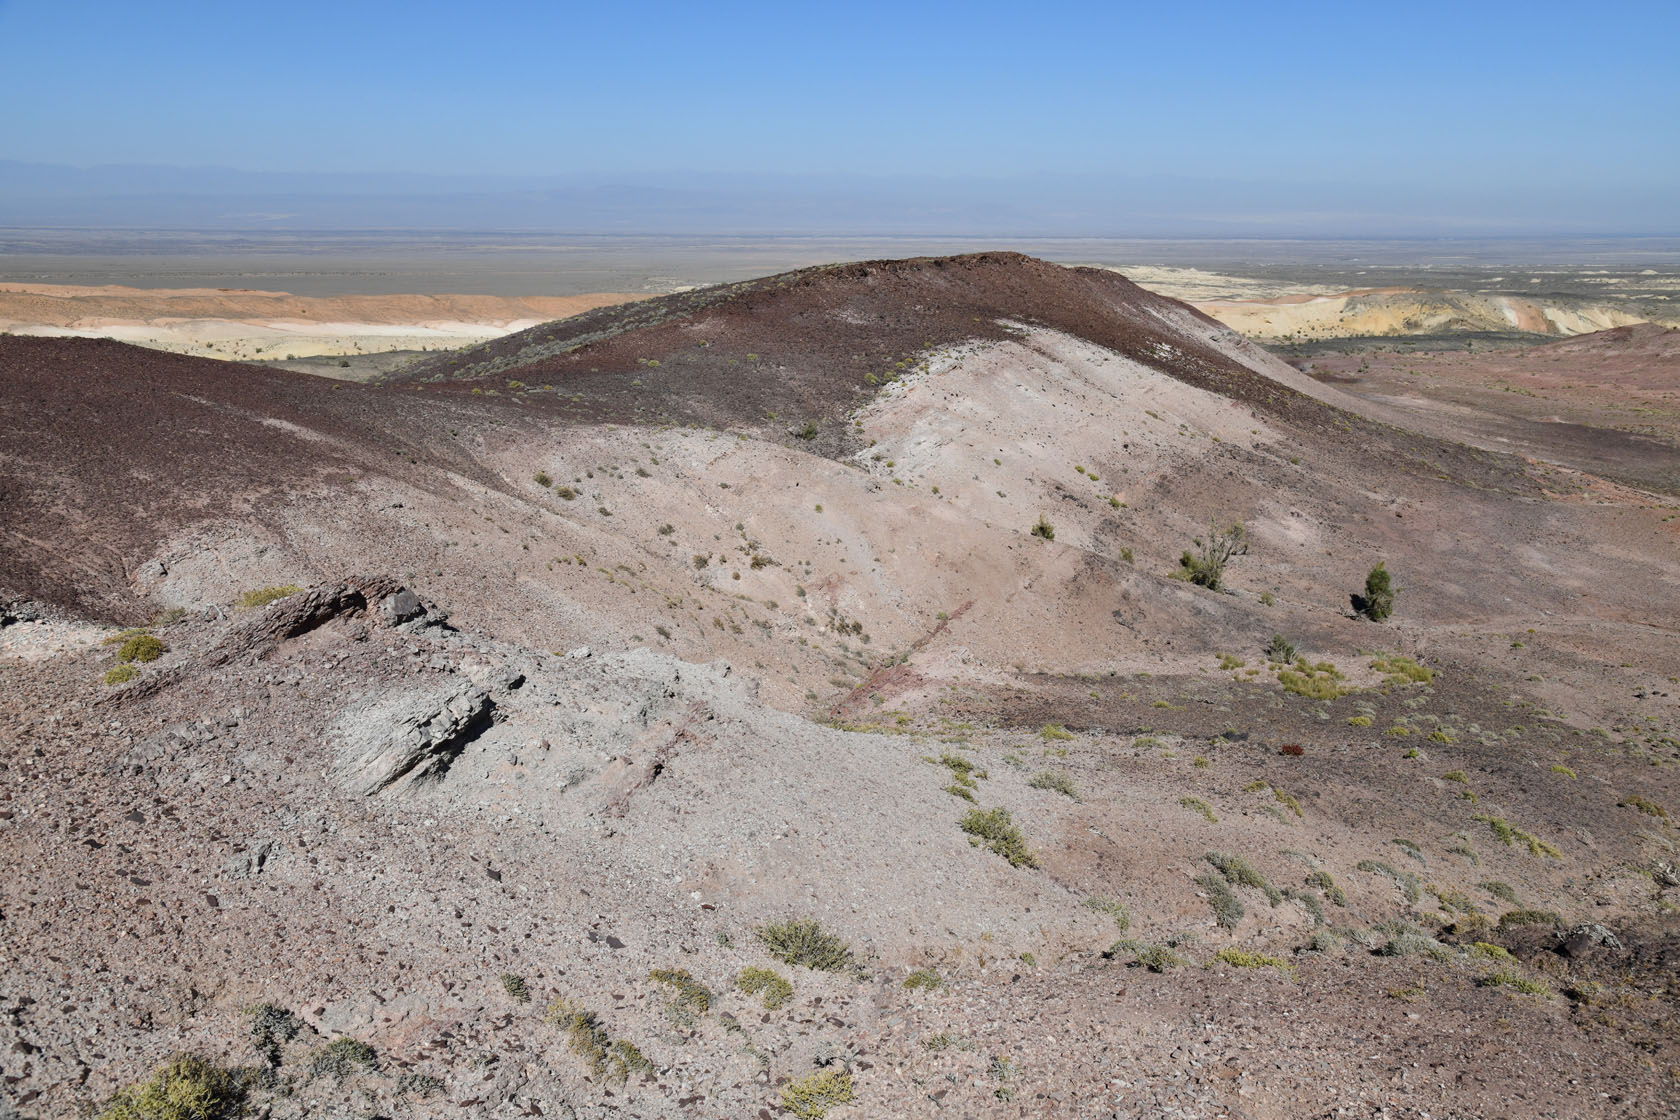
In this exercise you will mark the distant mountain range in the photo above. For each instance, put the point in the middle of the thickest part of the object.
(1036, 204)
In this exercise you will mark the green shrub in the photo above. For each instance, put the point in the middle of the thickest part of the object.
(1649, 808)
(1399, 670)
(341, 1057)
(809, 431)
(1325, 882)
(1196, 804)
(1044, 529)
(1227, 907)
(1529, 918)
(515, 987)
(609, 1060)
(184, 1088)
(804, 942)
(775, 987)
(923, 979)
(1241, 958)
(1502, 891)
(1239, 872)
(812, 1096)
(1281, 650)
(998, 831)
(686, 992)
(1056, 780)
(1156, 958)
(1205, 567)
(1510, 835)
(1054, 731)
(137, 645)
(263, 596)
(541, 479)
(121, 674)
(565, 493)
(1378, 601)
(1114, 908)
(270, 1027)
(1509, 978)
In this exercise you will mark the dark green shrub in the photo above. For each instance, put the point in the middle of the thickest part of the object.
(1378, 601)
(1044, 529)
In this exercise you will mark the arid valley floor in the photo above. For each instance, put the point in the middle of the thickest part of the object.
(476, 735)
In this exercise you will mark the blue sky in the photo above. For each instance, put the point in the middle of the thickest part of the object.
(1579, 103)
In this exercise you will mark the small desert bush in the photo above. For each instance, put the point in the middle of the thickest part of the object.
(997, 830)
(184, 1088)
(270, 1027)
(1205, 567)
(611, 1061)
(341, 1057)
(1281, 650)
(565, 493)
(1509, 978)
(1227, 907)
(515, 987)
(1156, 958)
(1114, 908)
(923, 979)
(1043, 529)
(1502, 891)
(1055, 731)
(1510, 835)
(1400, 670)
(1239, 872)
(686, 992)
(141, 647)
(1378, 601)
(1242, 958)
(1649, 808)
(804, 942)
(1512, 918)
(1325, 882)
(263, 596)
(1196, 804)
(1322, 681)
(812, 1096)
(121, 674)
(775, 988)
(1056, 780)
(541, 479)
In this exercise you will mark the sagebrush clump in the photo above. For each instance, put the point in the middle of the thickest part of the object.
(998, 831)
(775, 988)
(803, 941)
(186, 1087)
(1205, 567)
(263, 596)
(813, 1095)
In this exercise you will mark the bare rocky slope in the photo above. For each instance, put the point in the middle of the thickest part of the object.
(589, 656)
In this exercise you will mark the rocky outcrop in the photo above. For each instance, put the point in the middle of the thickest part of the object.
(397, 742)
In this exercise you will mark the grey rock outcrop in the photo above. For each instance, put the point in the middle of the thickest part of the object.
(401, 740)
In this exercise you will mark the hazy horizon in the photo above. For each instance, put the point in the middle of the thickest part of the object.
(1082, 120)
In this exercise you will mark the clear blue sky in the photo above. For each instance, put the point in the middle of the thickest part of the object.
(1491, 96)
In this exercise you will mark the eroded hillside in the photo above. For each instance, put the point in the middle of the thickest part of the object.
(587, 664)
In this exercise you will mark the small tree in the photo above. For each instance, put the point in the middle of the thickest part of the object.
(1206, 566)
(1378, 601)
